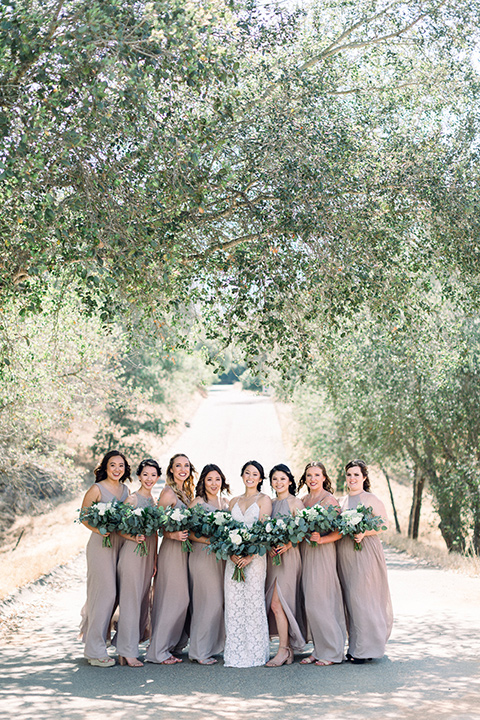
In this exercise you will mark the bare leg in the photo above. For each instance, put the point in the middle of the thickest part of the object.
(285, 653)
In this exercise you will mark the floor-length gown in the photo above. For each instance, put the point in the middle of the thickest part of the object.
(246, 628)
(323, 598)
(170, 601)
(135, 574)
(102, 596)
(287, 577)
(363, 575)
(207, 632)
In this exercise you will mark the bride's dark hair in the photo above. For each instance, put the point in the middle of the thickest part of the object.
(260, 469)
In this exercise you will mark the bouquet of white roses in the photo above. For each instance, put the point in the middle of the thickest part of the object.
(105, 517)
(237, 539)
(176, 519)
(140, 521)
(316, 519)
(359, 520)
(281, 530)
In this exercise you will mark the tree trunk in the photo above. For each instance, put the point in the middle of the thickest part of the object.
(397, 524)
(414, 519)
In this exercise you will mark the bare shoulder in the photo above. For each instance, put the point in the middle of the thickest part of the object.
(232, 502)
(295, 504)
(265, 503)
(92, 495)
(132, 500)
(167, 497)
(196, 501)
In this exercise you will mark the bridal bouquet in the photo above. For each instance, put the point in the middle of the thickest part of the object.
(281, 530)
(140, 521)
(173, 519)
(237, 539)
(106, 517)
(317, 519)
(359, 520)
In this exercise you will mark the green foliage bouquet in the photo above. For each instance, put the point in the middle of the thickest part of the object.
(173, 519)
(105, 517)
(279, 531)
(236, 539)
(209, 524)
(140, 521)
(359, 520)
(316, 519)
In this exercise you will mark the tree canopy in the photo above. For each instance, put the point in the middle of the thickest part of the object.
(250, 167)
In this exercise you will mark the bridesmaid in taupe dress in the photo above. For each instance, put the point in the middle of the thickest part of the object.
(207, 631)
(364, 574)
(283, 581)
(171, 593)
(135, 573)
(321, 587)
(102, 561)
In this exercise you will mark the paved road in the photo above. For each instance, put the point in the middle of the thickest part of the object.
(431, 670)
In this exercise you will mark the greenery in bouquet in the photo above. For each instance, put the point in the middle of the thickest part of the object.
(105, 517)
(236, 539)
(280, 531)
(316, 519)
(359, 520)
(175, 519)
(140, 521)
(209, 524)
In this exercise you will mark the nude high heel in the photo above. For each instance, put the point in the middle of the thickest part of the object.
(288, 660)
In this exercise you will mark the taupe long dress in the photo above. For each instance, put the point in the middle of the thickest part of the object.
(207, 629)
(363, 575)
(288, 577)
(134, 581)
(170, 601)
(101, 586)
(323, 597)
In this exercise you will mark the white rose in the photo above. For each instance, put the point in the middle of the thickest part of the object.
(102, 508)
(235, 537)
(177, 515)
(269, 527)
(281, 523)
(220, 518)
(311, 513)
(137, 511)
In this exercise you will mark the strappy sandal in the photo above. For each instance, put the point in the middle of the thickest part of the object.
(288, 660)
(324, 663)
(308, 660)
(131, 662)
(172, 660)
(101, 662)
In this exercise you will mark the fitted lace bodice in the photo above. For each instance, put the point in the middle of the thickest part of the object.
(251, 514)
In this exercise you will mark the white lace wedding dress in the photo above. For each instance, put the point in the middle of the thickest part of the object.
(246, 627)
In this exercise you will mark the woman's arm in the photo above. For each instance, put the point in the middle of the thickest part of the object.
(92, 495)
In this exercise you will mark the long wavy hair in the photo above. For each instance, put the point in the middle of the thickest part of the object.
(188, 486)
(364, 469)
(100, 471)
(200, 490)
(327, 483)
(148, 462)
(260, 469)
(292, 488)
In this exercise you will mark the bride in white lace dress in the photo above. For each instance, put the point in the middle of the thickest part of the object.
(246, 627)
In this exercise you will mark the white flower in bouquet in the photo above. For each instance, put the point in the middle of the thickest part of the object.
(177, 515)
(269, 527)
(137, 511)
(280, 523)
(221, 518)
(235, 537)
(311, 512)
(352, 517)
(102, 508)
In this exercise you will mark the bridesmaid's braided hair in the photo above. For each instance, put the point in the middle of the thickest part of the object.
(188, 484)
(292, 488)
(327, 483)
(200, 490)
(100, 471)
(364, 469)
